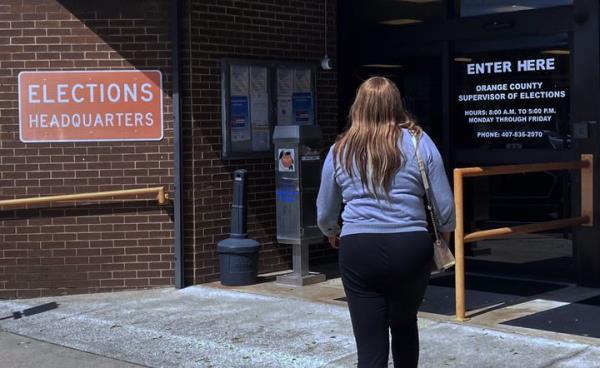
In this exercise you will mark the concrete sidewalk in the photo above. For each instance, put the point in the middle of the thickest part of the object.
(23, 352)
(207, 327)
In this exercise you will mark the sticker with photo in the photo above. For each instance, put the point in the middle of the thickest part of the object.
(287, 160)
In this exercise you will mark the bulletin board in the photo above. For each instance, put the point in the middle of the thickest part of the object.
(257, 95)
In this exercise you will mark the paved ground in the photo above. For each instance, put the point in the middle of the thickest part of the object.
(23, 352)
(206, 327)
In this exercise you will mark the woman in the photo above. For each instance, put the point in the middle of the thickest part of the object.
(385, 250)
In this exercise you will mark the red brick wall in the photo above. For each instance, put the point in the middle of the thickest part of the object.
(119, 244)
(262, 29)
(90, 246)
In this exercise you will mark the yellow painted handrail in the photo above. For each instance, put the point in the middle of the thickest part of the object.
(521, 169)
(161, 196)
(525, 229)
(460, 238)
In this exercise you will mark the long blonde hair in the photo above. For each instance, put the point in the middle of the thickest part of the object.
(376, 119)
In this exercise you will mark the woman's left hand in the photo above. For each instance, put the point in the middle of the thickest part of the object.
(334, 241)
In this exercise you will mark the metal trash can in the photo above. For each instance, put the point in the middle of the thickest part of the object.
(238, 256)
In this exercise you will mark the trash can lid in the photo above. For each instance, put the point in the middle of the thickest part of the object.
(231, 245)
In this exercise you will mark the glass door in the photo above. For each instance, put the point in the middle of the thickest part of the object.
(526, 72)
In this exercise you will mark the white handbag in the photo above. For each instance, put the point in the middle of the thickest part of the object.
(442, 256)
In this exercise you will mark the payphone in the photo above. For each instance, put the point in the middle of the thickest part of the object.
(298, 173)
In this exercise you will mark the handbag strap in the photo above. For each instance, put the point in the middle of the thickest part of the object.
(430, 206)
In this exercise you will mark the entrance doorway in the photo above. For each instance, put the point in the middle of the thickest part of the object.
(439, 52)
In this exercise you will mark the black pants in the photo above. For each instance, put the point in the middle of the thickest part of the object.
(385, 277)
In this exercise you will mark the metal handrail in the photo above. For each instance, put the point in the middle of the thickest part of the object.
(525, 229)
(460, 238)
(521, 169)
(161, 196)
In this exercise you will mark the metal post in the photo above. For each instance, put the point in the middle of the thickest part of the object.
(177, 146)
(300, 259)
(300, 275)
(459, 245)
(587, 189)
